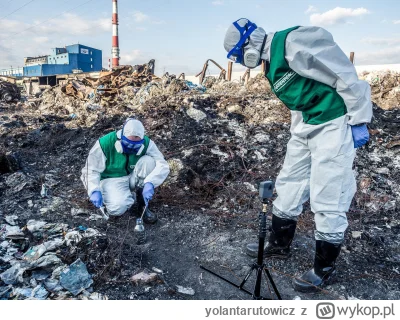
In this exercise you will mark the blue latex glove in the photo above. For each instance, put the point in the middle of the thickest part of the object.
(360, 135)
(97, 199)
(148, 192)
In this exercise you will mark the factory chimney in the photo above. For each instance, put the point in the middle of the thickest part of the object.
(115, 41)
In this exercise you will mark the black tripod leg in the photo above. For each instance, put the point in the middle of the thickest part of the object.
(272, 283)
(247, 277)
(257, 286)
(226, 280)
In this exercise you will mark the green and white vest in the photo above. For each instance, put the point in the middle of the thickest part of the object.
(118, 164)
(318, 102)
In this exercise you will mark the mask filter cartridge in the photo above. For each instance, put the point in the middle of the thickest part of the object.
(252, 58)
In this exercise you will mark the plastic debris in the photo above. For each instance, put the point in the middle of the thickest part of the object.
(12, 220)
(52, 285)
(14, 274)
(144, 278)
(44, 190)
(76, 278)
(40, 274)
(34, 225)
(195, 114)
(356, 234)
(5, 292)
(50, 259)
(7, 251)
(193, 86)
(36, 252)
(73, 237)
(47, 269)
(11, 232)
(183, 290)
(39, 292)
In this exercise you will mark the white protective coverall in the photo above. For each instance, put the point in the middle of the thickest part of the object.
(319, 158)
(117, 192)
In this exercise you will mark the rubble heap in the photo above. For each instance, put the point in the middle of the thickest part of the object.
(109, 83)
(9, 91)
(221, 139)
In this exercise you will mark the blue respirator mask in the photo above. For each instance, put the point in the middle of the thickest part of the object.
(252, 57)
(130, 146)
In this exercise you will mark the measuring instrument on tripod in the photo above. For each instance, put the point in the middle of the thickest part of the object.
(265, 192)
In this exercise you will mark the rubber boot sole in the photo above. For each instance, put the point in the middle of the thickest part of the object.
(305, 287)
(254, 254)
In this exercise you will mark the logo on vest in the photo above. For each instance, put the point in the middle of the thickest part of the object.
(283, 81)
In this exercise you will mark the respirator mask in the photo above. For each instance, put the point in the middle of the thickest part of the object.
(250, 57)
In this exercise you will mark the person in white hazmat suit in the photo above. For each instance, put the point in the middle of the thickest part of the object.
(121, 162)
(330, 107)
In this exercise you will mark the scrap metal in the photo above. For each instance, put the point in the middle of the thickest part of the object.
(202, 74)
(110, 82)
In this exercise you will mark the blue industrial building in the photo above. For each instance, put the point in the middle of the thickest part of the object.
(12, 72)
(73, 58)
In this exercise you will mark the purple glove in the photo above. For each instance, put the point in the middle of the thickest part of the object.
(148, 192)
(97, 199)
(360, 135)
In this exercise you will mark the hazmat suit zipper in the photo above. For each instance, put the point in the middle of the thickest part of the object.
(127, 164)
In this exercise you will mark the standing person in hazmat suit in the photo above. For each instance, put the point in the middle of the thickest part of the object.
(330, 107)
(118, 163)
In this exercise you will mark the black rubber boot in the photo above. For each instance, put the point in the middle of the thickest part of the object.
(280, 239)
(324, 268)
(148, 217)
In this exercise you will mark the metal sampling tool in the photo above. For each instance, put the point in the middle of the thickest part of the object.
(104, 213)
(145, 208)
(139, 230)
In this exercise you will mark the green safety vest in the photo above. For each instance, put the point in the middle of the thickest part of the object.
(118, 164)
(318, 102)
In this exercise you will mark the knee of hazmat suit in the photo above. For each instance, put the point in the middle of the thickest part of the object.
(143, 168)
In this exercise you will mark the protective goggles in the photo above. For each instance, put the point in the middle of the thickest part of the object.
(237, 52)
(131, 145)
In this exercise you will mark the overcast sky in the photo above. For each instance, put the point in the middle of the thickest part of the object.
(182, 34)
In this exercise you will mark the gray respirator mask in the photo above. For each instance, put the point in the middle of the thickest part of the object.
(252, 56)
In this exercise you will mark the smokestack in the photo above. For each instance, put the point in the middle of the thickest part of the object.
(115, 41)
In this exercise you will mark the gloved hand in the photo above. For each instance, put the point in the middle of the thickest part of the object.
(97, 199)
(360, 135)
(148, 192)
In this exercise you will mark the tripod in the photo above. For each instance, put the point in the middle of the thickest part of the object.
(258, 266)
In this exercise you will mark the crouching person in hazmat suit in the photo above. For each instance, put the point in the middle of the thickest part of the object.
(121, 162)
(330, 107)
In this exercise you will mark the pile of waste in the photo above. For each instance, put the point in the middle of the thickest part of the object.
(221, 138)
(109, 83)
(385, 88)
(9, 91)
(31, 261)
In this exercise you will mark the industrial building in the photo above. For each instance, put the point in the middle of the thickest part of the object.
(70, 59)
(12, 72)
